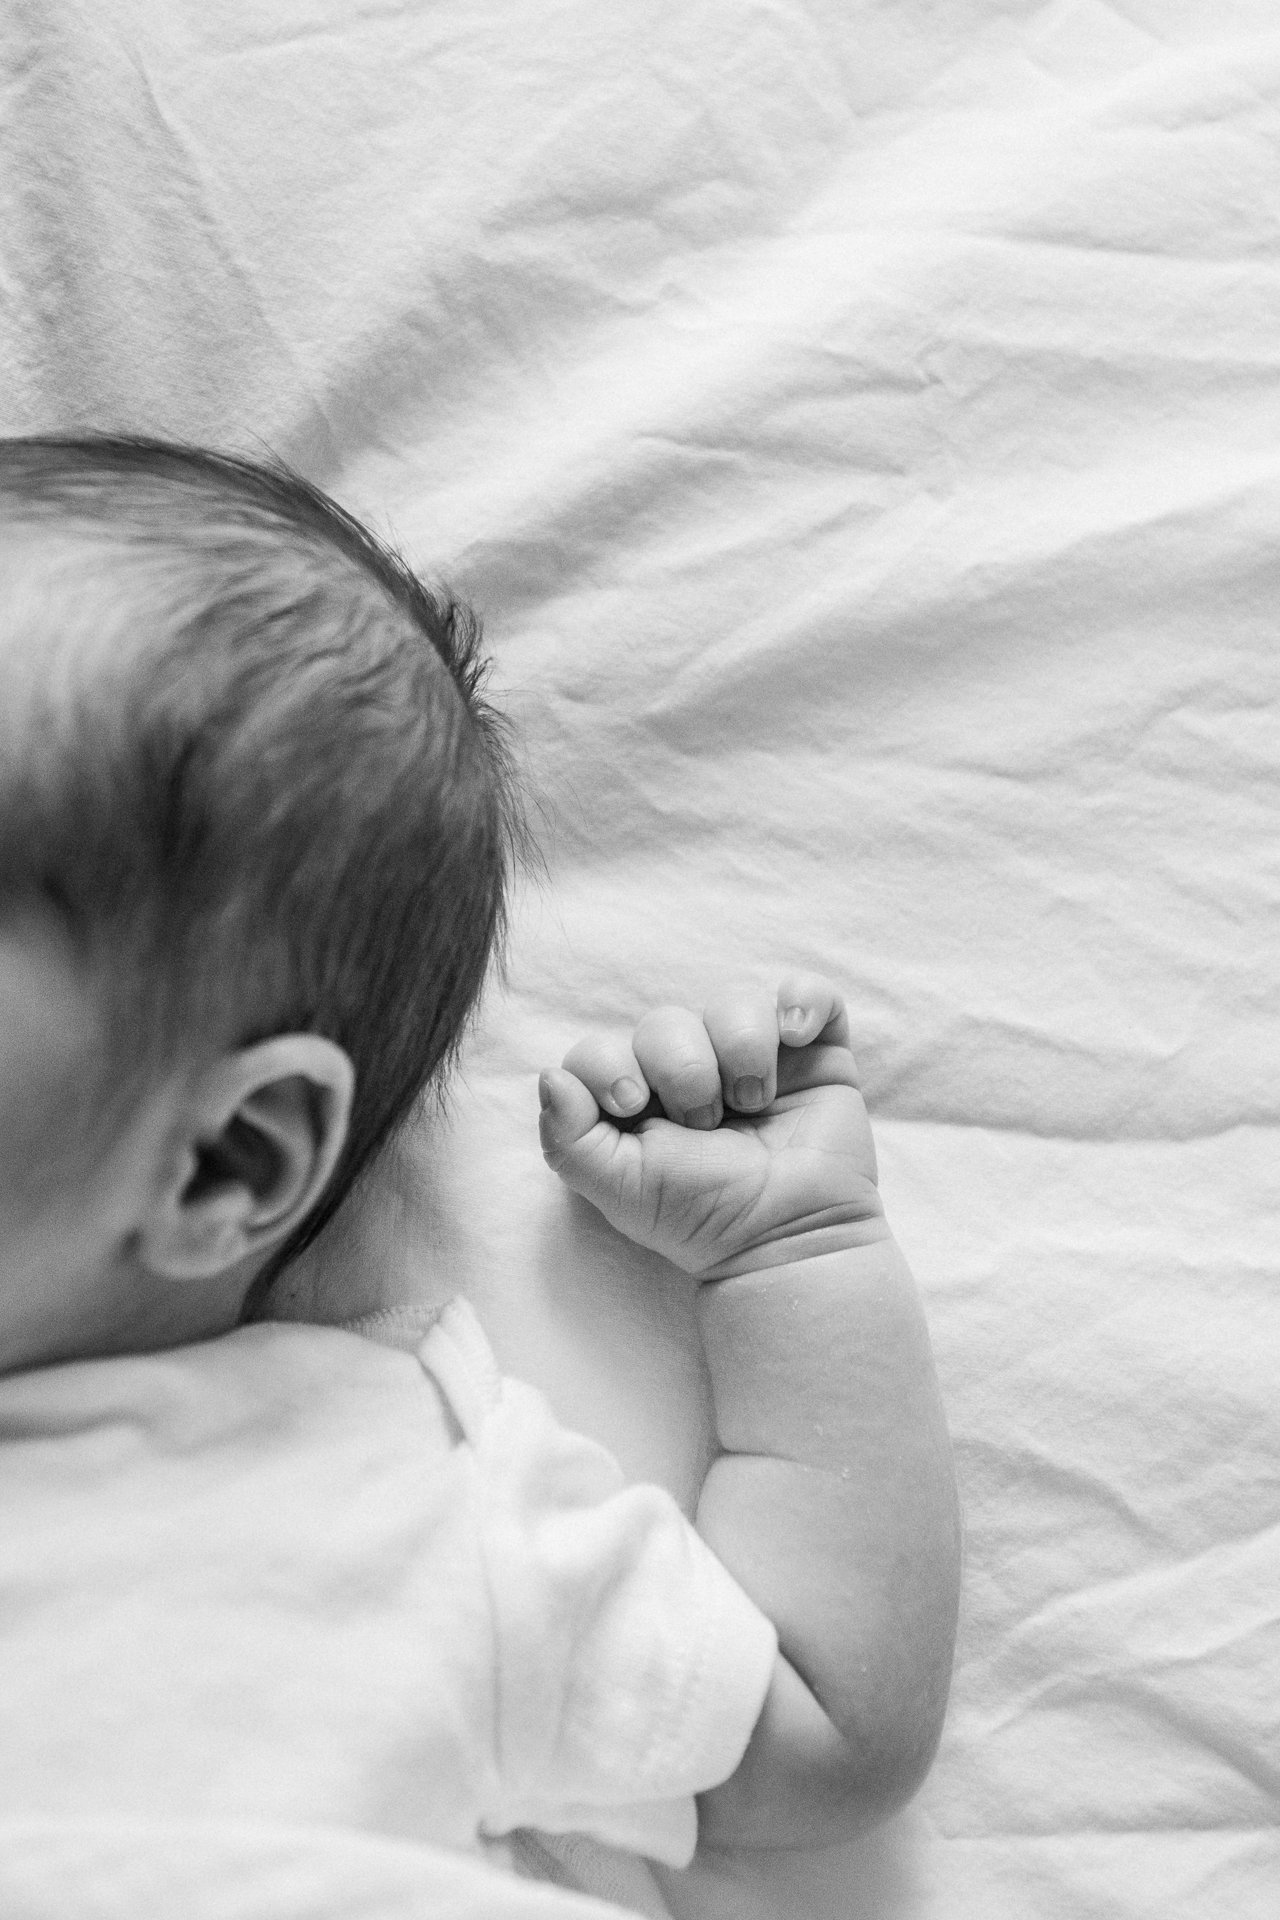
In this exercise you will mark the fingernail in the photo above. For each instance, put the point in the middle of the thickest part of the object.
(544, 1091)
(748, 1092)
(704, 1117)
(627, 1095)
(794, 1020)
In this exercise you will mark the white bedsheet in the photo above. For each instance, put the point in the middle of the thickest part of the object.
(861, 428)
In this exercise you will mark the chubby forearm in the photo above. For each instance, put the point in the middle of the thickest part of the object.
(747, 1160)
(833, 1503)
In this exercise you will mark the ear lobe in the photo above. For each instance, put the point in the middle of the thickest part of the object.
(261, 1136)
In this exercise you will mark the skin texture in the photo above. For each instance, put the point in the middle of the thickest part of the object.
(150, 1232)
(736, 1143)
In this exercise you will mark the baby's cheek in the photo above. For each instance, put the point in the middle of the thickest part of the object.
(50, 1074)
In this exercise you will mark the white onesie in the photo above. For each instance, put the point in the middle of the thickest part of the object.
(290, 1575)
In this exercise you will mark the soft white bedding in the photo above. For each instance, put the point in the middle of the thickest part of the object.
(860, 427)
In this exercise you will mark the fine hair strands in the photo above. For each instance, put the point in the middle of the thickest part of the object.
(266, 791)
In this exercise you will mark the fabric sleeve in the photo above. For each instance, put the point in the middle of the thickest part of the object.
(631, 1667)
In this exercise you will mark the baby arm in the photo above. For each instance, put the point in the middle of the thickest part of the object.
(741, 1151)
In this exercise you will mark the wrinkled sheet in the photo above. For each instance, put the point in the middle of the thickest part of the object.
(859, 426)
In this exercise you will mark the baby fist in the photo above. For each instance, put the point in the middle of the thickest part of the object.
(733, 1139)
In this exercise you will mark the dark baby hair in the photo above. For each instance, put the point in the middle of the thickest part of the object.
(276, 801)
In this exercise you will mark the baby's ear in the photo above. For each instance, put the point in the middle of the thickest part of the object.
(259, 1137)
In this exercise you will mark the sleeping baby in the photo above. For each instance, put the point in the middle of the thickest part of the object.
(258, 823)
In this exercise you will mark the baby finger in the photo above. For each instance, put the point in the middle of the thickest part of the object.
(609, 1067)
(809, 1009)
(679, 1063)
(743, 1029)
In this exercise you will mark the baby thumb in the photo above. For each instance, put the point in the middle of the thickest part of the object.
(576, 1142)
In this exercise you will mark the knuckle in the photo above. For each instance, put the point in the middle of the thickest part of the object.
(659, 1023)
(672, 1042)
(745, 1020)
(582, 1054)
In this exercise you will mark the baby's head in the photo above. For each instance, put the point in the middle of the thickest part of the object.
(255, 832)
